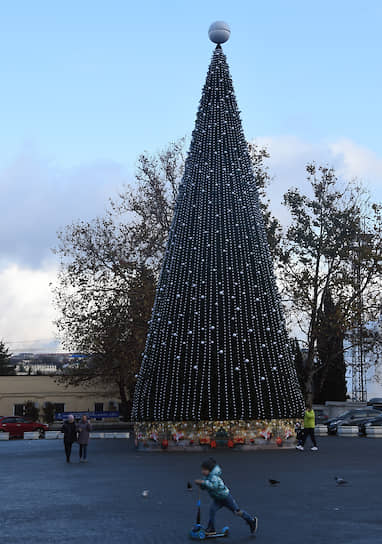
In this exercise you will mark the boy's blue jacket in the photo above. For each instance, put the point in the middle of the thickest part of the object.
(214, 484)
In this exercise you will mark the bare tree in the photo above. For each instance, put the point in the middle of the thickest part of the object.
(318, 256)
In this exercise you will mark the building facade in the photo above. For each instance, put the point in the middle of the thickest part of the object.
(15, 391)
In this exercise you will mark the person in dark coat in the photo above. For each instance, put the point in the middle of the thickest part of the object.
(83, 429)
(70, 435)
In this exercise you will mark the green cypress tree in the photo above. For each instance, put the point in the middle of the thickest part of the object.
(330, 379)
(6, 369)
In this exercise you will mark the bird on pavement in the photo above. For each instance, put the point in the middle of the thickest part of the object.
(273, 483)
(340, 481)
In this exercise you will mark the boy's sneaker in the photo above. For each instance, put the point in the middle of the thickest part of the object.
(314, 448)
(253, 524)
(299, 447)
(210, 530)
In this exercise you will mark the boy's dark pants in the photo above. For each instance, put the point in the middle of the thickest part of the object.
(230, 503)
(309, 432)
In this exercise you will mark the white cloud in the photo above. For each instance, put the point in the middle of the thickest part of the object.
(26, 311)
(39, 197)
(289, 156)
(358, 162)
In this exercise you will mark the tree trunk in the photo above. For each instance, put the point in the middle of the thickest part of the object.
(309, 382)
(309, 366)
(312, 335)
(125, 402)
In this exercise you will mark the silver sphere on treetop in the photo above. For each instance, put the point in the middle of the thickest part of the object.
(219, 32)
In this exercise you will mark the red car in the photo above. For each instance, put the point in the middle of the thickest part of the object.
(17, 426)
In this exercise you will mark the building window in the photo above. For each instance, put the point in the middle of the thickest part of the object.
(59, 407)
(18, 410)
(98, 407)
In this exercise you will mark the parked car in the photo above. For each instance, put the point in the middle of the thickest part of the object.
(375, 403)
(321, 416)
(351, 417)
(370, 422)
(16, 426)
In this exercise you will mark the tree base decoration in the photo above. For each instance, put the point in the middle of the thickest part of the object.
(204, 435)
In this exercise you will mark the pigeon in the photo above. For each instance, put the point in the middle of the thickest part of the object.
(145, 493)
(189, 486)
(340, 481)
(273, 482)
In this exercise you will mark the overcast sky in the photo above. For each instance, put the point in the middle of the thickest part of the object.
(87, 86)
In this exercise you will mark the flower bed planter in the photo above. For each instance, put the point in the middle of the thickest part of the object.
(206, 435)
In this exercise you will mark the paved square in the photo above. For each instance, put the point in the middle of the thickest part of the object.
(46, 500)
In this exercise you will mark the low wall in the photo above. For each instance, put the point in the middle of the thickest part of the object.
(55, 435)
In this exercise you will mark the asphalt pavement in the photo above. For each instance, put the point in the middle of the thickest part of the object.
(44, 499)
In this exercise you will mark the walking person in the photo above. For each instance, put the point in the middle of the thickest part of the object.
(309, 425)
(84, 429)
(221, 496)
(70, 435)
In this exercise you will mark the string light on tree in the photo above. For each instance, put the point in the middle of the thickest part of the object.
(220, 351)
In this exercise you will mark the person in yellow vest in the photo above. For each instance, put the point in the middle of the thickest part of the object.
(309, 425)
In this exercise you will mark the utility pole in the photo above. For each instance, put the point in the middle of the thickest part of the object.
(359, 390)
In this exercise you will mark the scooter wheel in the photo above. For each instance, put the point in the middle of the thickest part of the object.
(200, 534)
(225, 531)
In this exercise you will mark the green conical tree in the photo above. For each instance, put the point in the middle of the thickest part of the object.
(5, 356)
(330, 380)
(217, 347)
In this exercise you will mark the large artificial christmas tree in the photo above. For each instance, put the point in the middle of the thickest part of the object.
(217, 350)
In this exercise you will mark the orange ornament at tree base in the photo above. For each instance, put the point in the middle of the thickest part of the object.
(279, 441)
